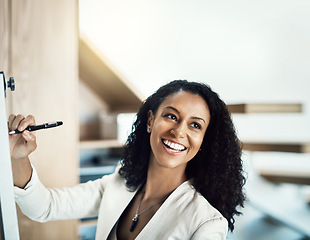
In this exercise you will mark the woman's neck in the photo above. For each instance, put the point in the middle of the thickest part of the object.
(161, 182)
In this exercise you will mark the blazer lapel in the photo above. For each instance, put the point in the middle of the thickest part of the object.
(112, 206)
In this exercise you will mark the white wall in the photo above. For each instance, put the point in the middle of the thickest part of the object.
(247, 51)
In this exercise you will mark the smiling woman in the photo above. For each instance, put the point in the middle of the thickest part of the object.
(177, 130)
(180, 177)
(192, 139)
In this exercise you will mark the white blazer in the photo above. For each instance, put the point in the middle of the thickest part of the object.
(184, 215)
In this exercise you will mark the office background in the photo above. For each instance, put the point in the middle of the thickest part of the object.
(90, 64)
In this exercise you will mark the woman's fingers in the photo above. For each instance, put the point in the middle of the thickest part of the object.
(10, 121)
(28, 121)
(15, 121)
(21, 145)
(30, 138)
(20, 122)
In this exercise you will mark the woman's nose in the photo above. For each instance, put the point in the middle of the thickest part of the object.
(179, 131)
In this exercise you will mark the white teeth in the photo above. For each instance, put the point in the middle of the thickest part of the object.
(174, 146)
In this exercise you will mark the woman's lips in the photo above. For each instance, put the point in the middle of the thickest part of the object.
(173, 146)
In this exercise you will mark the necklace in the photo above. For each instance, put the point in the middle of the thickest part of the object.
(135, 219)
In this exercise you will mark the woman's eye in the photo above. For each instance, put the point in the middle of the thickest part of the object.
(196, 125)
(171, 116)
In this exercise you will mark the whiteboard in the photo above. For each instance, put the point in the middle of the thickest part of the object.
(8, 216)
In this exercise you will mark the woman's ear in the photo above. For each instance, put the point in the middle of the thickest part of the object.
(150, 121)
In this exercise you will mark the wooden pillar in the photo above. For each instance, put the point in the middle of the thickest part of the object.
(39, 39)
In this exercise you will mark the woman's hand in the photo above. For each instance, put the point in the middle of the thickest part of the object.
(21, 145)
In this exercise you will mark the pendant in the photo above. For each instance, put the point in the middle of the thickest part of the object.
(133, 223)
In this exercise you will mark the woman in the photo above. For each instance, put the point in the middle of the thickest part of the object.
(180, 178)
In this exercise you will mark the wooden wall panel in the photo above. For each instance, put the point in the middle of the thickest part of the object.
(45, 67)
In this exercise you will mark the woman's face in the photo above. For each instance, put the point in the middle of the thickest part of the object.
(178, 129)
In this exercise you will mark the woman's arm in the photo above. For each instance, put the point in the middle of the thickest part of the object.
(43, 204)
(36, 201)
(21, 145)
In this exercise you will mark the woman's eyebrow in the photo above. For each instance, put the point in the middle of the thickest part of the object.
(177, 111)
(173, 108)
(199, 118)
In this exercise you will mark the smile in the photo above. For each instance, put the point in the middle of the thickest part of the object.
(175, 147)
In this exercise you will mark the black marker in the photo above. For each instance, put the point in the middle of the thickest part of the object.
(38, 127)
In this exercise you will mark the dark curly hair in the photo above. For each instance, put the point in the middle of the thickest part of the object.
(216, 171)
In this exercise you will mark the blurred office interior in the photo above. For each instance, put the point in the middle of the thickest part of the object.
(255, 54)
(103, 58)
